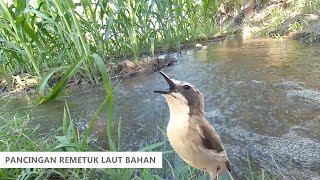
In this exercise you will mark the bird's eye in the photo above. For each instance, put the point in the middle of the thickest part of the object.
(186, 87)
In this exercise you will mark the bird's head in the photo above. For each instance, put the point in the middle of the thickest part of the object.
(182, 94)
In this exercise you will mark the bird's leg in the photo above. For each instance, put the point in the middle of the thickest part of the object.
(213, 176)
(218, 169)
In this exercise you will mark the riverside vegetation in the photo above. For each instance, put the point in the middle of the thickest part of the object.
(298, 20)
(79, 40)
(16, 135)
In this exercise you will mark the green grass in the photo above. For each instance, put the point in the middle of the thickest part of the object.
(311, 7)
(16, 135)
(256, 173)
(280, 19)
(51, 37)
(298, 26)
(276, 18)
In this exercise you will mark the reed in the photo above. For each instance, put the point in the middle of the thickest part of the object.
(43, 37)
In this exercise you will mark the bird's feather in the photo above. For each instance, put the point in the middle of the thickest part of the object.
(228, 165)
(210, 140)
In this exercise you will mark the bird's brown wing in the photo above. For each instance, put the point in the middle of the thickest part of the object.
(211, 140)
(228, 165)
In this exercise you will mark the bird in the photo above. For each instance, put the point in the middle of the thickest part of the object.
(190, 134)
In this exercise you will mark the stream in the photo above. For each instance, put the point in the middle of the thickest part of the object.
(261, 95)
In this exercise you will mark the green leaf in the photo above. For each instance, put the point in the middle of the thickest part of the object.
(102, 68)
(119, 134)
(45, 79)
(66, 144)
(20, 6)
(44, 16)
(152, 146)
(32, 34)
(92, 122)
(109, 25)
(65, 122)
(148, 177)
(70, 146)
(112, 172)
(62, 83)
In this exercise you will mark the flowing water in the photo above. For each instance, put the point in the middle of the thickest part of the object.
(262, 96)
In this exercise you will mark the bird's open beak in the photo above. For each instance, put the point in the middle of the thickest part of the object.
(169, 81)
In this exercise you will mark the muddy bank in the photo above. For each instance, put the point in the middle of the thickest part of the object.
(27, 83)
(302, 27)
(282, 19)
(309, 34)
(128, 68)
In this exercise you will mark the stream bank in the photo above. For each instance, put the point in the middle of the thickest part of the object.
(297, 20)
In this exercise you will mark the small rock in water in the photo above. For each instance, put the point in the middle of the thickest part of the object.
(239, 82)
(128, 68)
(198, 45)
(258, 82)
(129, 64)
(290, 84)
(307, 94)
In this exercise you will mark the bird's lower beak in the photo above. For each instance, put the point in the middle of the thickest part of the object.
(169, 81)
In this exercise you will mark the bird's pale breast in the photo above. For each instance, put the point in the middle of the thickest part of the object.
(186, 141)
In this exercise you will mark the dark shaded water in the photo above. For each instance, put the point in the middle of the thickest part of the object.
(262, 97)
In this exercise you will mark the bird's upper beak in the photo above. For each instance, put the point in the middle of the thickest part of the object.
(169, 81)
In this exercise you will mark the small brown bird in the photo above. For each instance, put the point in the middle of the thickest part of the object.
(189, 132)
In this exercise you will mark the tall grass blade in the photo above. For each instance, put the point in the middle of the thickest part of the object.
(102, 68)
(92, 122)
(119, 134)
(45, 79)
(152, 146)
(65, 122)
(60, 85)
(108, 87)
(109, 118)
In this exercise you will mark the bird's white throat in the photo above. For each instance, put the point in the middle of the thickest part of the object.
(179, 112)
(178, 127)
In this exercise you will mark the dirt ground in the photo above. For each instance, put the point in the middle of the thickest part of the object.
(26, 83)
(283, 19)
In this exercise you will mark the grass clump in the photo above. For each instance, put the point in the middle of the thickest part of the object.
(311, 7)
(15, 135)
(257, 173)
(279, 18)
(44, 38)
